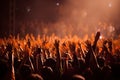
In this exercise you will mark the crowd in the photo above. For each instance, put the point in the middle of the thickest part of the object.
(54, 58)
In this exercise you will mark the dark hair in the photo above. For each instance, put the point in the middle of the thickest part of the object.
(35, 77)
(25, 70)
(77, 77)
(4, 69)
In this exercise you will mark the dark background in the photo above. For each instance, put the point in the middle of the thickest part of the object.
(41, 10)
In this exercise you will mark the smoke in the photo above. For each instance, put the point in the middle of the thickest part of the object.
(88, 16)
(76, 17)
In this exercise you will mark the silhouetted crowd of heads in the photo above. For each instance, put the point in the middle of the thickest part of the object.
(54, 58)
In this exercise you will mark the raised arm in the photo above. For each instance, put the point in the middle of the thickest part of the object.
(58, 64)
(90, 58)
(72, 47)
(96, 40)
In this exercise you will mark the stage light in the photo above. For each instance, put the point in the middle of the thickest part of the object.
(110, 5)
(28, 9)
(101, 37)
(57, 4)
(111, 28)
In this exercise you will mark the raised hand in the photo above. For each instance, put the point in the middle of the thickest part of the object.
(97, 36)
(95, 41)
(58, 62)
(104, 45)
(9, 47)
(110, 45)
(88, 44)
(72, 47)
(56, 44)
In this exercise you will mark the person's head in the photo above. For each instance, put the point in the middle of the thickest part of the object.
(116, 71)
(77, 77)
(4, 70)
(47, 73)
(101, 61)
(82, 64)
(25, 71)
(35, 77)
(50, 63)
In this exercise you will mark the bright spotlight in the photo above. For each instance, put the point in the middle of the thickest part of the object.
(57, 4)
(28, 9)
(110, 5)
(100, 37)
